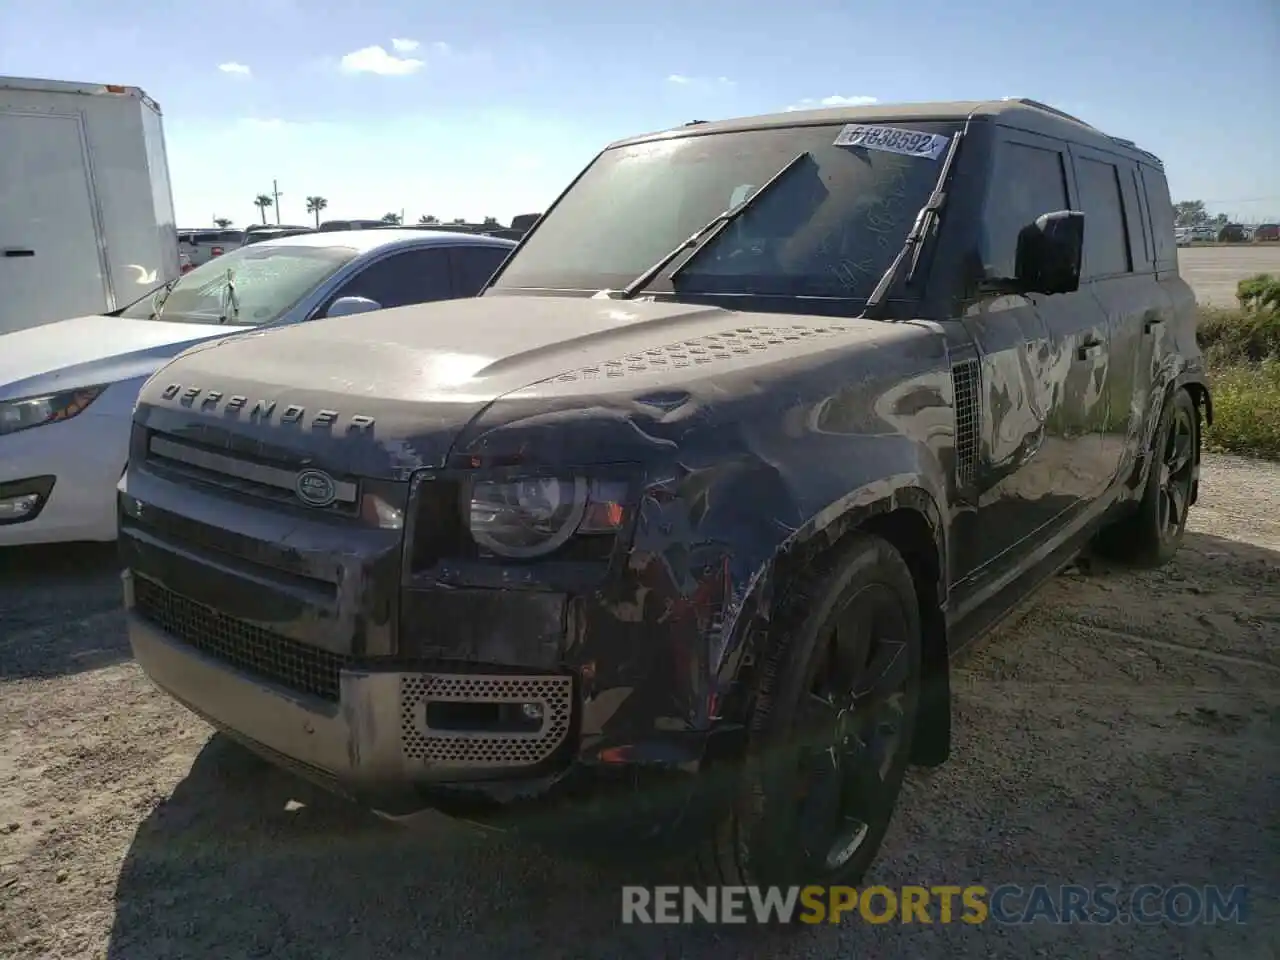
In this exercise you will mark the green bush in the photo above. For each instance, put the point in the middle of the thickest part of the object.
(1260, 294)
(1242, 351)
(1228, 336)
(1246, 409)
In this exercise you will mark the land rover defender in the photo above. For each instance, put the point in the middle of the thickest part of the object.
(682, 522)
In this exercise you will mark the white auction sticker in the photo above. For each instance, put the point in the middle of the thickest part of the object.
(910, 143)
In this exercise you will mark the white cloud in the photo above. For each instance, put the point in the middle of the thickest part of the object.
(401, 45)
(832, 101)
(704, 83)
(237, 69)
(376, 60)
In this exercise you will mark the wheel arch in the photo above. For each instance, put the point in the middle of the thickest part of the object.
(907, 516)
(1198, 387)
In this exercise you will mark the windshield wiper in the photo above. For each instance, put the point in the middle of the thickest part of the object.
(159, 296)
(230, 302)
(925, 220)
(701, 238)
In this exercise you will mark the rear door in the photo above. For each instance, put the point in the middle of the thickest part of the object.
(473, 265)
(51, 266)
(1119, 272)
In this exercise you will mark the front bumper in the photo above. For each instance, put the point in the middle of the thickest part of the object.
(373, 745)
(86, 456)
(377, 735)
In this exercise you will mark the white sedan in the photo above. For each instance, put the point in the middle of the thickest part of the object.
(67, 389)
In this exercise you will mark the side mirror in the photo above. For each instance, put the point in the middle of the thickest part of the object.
(349, 306)
(1049, 253)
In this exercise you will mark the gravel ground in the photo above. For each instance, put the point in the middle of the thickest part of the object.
(1214, 272)
(1125, 728)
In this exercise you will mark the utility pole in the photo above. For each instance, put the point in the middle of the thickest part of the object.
(275, 199)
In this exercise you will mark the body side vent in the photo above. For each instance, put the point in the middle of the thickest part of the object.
(965, 383)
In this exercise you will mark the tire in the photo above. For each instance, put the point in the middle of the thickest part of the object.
(1152, 533)
(781, 805)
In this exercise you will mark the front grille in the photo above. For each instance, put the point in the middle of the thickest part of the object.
(238, 474)
(242, 645)
(476, 749)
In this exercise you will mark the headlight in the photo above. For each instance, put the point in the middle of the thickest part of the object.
(29, 412)
(521, 519)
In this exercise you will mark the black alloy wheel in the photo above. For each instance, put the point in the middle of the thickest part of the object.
(831, 728)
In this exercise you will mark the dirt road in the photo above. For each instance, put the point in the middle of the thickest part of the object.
(1214, 272)
(1126, 728)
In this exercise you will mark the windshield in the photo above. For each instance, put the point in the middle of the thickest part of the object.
(268, 281)
(830, 228)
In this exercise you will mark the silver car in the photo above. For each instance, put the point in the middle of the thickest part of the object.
(67, 389)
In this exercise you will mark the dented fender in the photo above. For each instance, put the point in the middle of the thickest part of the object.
(742, 469)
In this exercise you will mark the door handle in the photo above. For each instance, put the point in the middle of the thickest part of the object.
(17, 252)
(1087, 348)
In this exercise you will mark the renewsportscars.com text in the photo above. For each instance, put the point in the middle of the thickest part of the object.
(1007, 904)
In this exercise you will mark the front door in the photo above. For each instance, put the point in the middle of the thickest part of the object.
(1039, 376)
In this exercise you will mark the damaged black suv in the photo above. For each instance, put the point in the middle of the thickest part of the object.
(680, 524)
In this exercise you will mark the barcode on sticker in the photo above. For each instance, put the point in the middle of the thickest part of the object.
(910, 143)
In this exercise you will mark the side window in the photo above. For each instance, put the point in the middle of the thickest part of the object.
(1106, 234)
(1160, 207)
(1026, 182)
(473, 266)
(415, 276)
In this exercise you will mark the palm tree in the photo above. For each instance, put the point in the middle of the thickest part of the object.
(427, 218)
(221, 222)
(315, 205)
(391, 218)
(262, 201)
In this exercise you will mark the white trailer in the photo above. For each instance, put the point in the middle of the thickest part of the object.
(86, 209)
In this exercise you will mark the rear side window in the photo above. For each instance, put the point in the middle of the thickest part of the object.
(1160, 206)
(1106, 234)
(473, 266)
(402, 279)
(1026, 182)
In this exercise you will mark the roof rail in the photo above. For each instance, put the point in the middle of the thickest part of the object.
(1133, 146)
(1028, 102)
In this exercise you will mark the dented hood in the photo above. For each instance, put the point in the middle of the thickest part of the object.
(385, 393)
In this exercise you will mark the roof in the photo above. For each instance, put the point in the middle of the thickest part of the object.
(366, 241)
(1021, 112)
(36, 85)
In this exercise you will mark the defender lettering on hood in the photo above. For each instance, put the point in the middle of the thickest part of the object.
(262, 410)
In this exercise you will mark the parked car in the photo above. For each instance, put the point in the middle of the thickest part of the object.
(331, 225)
(272, 231)
(201, 246)
(673, 533)
(1232, 233)
(1267, 232)
(67, 389)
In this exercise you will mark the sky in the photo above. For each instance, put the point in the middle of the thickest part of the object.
(469, 111)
